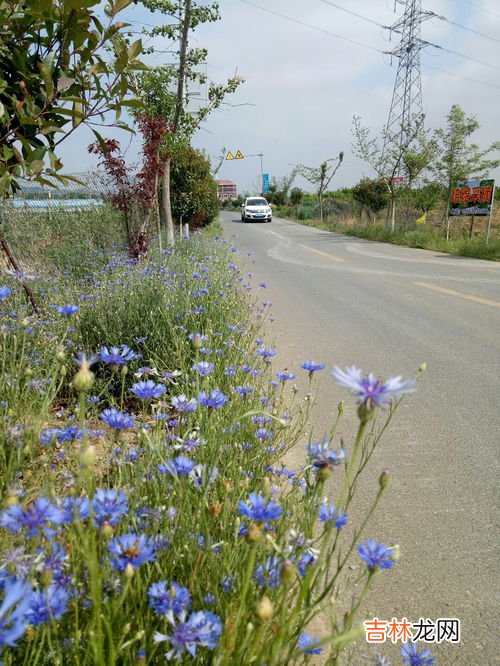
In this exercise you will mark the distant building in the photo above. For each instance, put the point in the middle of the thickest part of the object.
(226, 189)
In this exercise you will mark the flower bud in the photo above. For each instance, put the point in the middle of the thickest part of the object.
(83, 380)
(126, 629)
(383, 479)
(366, 412)
(395, 553)
(254, 534)
(264, 610)
(87, 459)
(197, 341)
(422, 367)
(340, 407)
(107, 530)
(129, 571)
(324, 473)
(141, 658)
(60, 355)
(287, 571)
(124, 370)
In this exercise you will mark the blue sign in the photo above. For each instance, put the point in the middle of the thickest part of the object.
(265, 182)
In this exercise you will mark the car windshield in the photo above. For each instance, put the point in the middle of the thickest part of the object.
(256, 202)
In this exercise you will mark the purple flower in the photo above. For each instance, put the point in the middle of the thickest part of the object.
(133, 549)
(329, 515)
(244, 390)
(116, 419)
(312, 366)
(215, 399)
(376, 554)
(180, 466)
(75, 508)
(370, 390)
(117, 355)
(109, 506)
(40, 514)
(147, 389)
(14, 608)
(201, 629)
(203, 368)
(5, 292)
(164, 596)
(307, 643)
(322, 456)
(412, 656)
(266, 353)
(49, 604)
(257, 509)
(67, 310)
(183, 404)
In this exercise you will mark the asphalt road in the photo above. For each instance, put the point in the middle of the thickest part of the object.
(342, 300)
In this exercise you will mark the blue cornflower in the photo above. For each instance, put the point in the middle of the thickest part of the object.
(202, 476)
(49, 436)
(201, 629)
(69, 434)
(266, 353)
(5, 292)
(322, 456)
(370, 390)
(215, 399)
(244, 390)
(183, 404)
(67, 310)
(257, 509)
(164, 596)
(269, 573)
(40, 514)
(209, 599)
(133, 549)
(14, 610)
(312, 366)
(284, 376)
(203, 368)
(116, 419)
(117, 355)
(49, 604)
(109, 506)
(330, 516)
(376, 554)
(413, 657)
(307, 559)
(75, 508)
(307, 643)
(180, 466)
(147, 389)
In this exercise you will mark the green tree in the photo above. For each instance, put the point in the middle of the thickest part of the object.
(296, 196)
(164, 89)
(321, 176)
(194, 191)
(391, 157)
(60, 67)
(371, 194)
(457, 159)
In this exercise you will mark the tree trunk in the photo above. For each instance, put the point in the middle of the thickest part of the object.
(166, 203)
(320, 198)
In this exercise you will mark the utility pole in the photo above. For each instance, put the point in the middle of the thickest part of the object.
(406, 102)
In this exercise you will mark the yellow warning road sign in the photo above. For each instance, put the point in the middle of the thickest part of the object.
(230, 156)
(239, 155)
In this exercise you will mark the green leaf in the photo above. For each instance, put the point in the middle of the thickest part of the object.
(36, 167)
(134, 49)
(100, 140)
(119, 5)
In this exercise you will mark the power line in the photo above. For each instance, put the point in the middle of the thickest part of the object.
(313, 27)
(360, 16)
(483, 9)
(461, 76)
(463, 27)
(352, 41)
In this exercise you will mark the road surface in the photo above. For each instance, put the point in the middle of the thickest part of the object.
(385, 308)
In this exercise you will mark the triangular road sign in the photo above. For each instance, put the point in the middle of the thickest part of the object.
(230, 156)
(239, 155)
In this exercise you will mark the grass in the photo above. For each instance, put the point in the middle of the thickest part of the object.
(147, 512)
(428, 238)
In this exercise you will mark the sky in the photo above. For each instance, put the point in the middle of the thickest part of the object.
(309, 67)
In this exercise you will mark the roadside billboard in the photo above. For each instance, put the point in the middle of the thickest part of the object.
(472, 197)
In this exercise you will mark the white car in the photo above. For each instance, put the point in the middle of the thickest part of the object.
(256, 208)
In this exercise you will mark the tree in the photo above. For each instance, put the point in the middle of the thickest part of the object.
(321, 176)
(56, 74)
(157, 85)
(194, 191)
(296, 196)
(392, 158)
(371, 194)
(457, 159)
